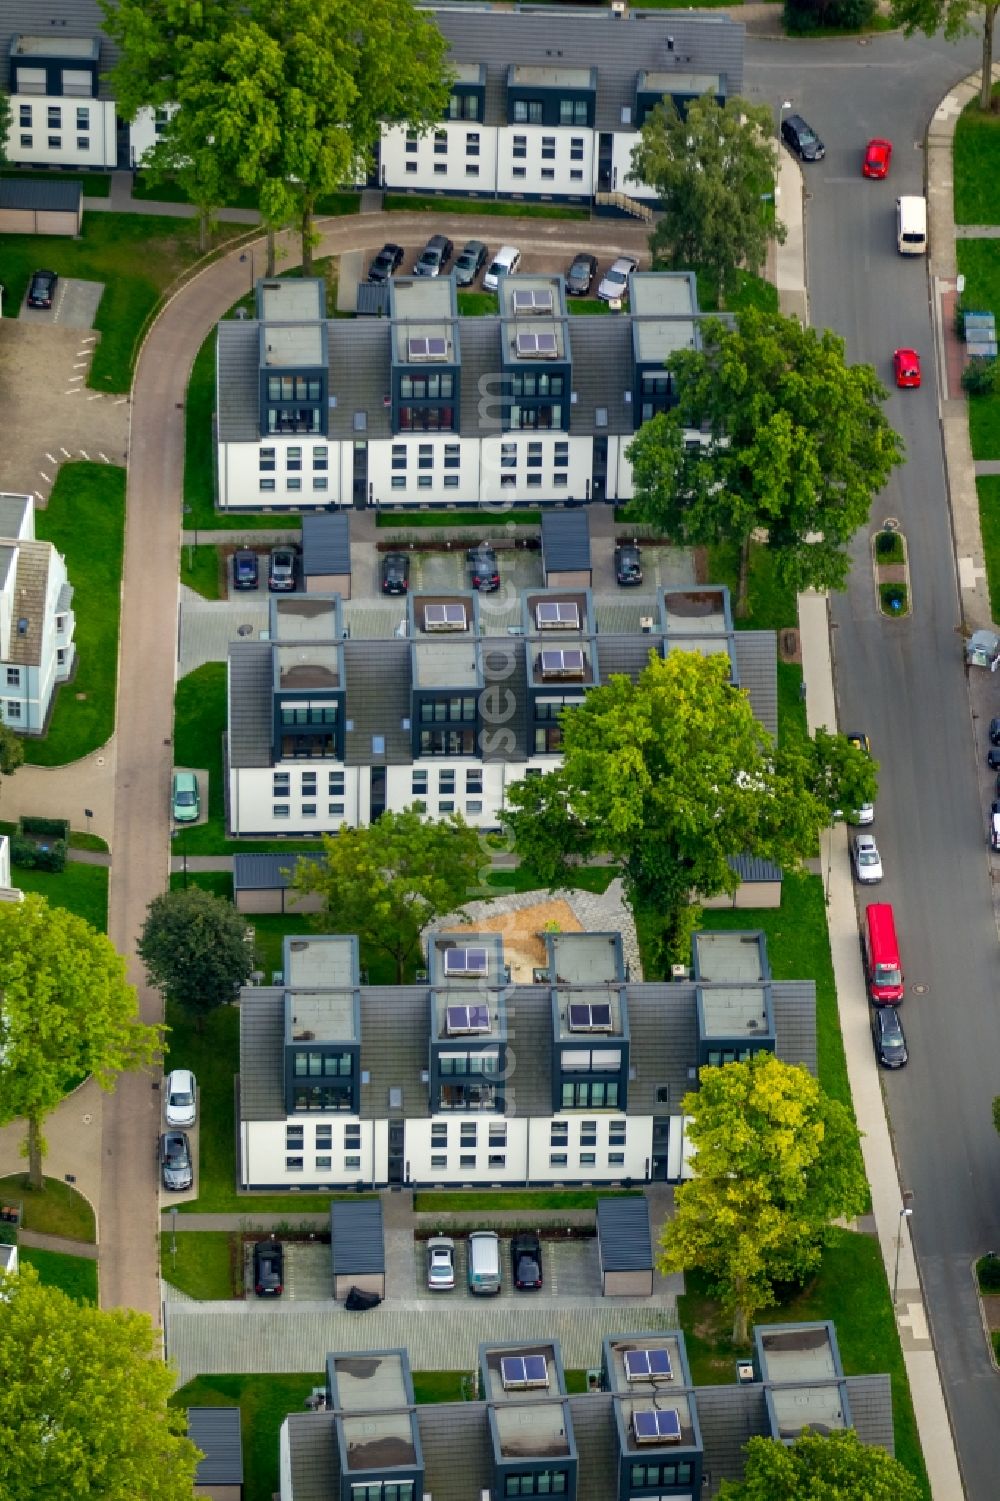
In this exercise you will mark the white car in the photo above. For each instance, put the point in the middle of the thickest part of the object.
(615, 282)
(440, 1264)
(867, 860)
(181, 1095)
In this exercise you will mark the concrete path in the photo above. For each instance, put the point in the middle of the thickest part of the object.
(65, 791)
(32, 1239)
(73, 1141)
(987, 466)
(977, 231)
(89, 857)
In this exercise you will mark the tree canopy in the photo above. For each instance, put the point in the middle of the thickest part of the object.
(672, 775)
(194, 947)
(710, 167)
(386, 882)
(820, 1467)
(66, 1010)
(955, 18)
(11, 745)
(83, 1402)
(800, 447)
(776, 1161)
(5, 119)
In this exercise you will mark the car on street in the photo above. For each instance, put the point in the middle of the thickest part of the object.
(185, 799)
(42, 290)
(470, 262)
(246, 569)
(388, 260)
(866, 813)
(175, 1160)
(867, 860)
(580, 274)
(614, 284)
(281, 570)
(526, 1261)
(435, 256)
(995, 731)
(995, 825)
(268, 1268)
(483, 568)
(628, 564)
(993, 758)
(906, 367)
(888, 1037)
(395, 573)
(181, 1097)
(802, 139)
(440, 1264)
(878, 155)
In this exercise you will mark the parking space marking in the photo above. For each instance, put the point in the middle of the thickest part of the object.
(73, 391)
(88, 339)
(45, 477)
(81, 365)
(104, 457)
(95, 397)
(85, 455)
(39, 495)
(121, 401)
(65, 453)
(51, 457)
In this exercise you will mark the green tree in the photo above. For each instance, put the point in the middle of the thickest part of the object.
(710, 167)
(386, 882)
(800, 446)
(5, 119)
(820, 1467)
(83, 1402)
(996, 1113)
(840, 774)
(11, 745)
(194, 946)
(776, 1162)
(66, 1010)
(955, 18)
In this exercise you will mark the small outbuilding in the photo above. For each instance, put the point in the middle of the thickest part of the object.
(357, 1245)
(625, 1247)
(760, 884)
(263, 883)
(32, 206)
(217, 1433)
(566, 549)
(326, 553)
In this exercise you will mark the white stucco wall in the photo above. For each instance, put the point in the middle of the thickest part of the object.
(98, 131)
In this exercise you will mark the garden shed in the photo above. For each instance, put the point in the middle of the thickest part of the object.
(625, 1247)
(217, 1433)
(29, 206)
(263, 883)
(760, 884)
(566, 549)
(357, 1247)
(326, 553)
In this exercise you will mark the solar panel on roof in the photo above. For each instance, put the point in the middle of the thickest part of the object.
(646, 1365)
(416, 348)
(444, 617)
(518, 1371)
(657, 1427)
(535, 1373)
(562, 664)
(659, 1363)
(530, 345)
(461, 1019)
(545, 343)
(590, 1018)
(465, 961)
(437, 347)
(532, 300)
(550, 613)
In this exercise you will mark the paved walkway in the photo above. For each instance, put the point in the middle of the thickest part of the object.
(987, 466)
(977, 231)
(66, 791)
(73, 1141)
(35, 1241)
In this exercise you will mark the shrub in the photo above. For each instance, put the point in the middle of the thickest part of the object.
(988, 1270)
(36, 825)
(803, 16)
(31, 856)
(889, 547)
(979, 378)
(893, 597)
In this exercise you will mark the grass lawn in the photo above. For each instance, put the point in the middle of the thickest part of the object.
(58, 1210)
(201, 1267)
(593, 306)
(851, 1289)
(95, 184)
(976, 160)
(524, 1198)
(201, 570)
(476, 304)
(979, 263)
(584, 878)
(772, 603)
(167, 191)
(429, 203)
(82, 889)
(403, 521)
(85, 521)
(989, 521)
(440, 1386)
(265, 1402)
(75, 1275)
(750, 291)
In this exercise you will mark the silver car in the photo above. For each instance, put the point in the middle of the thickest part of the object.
(440, 1264)
(867, 860)
(614, 284)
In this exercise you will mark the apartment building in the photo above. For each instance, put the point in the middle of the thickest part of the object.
(37, 650)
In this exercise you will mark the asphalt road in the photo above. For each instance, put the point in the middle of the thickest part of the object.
(904, 683)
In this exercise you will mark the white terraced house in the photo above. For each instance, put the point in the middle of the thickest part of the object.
(37, 651)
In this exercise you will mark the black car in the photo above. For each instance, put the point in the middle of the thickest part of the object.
(995, 731)
(246, 569)
(993, 759)
(628, 564)
(268, 1268)
(888, 1038)
(395, 573)
(175, 1160)
(388, 260)
(281, 570)
(802, 139)
(526, 1261)
(42, 289)
(581, 274)
(436, 255)
(484, 569)
(471, 261)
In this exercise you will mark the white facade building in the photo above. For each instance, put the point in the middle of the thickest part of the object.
(37, 650)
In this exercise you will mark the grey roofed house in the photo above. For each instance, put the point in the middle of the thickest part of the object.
(39, 195)
(217, 1433)
(58, 20)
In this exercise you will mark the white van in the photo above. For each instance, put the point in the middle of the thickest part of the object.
(484, 1262)
(911, 225)
(504, 263)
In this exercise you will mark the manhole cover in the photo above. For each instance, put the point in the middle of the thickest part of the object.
(919, 989)
(88, 1120)
(100, 760)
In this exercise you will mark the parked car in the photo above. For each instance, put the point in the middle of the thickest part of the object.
(867, 860)
(802, 139)
(435, 256)
(388, 260)
(246, 569)
(995, 825)
(581, 274)
(470, 263)
(484, 568)
(185, 799)
(175, 1160)
(440, 1264)
(526, 1261)
(614, 284)
(281, 570)
(993, 758)
(878, 155)
(42, 290)
(395, 573)
(906, 367)
(628, 564)
(888, 1037)
(268, 1268)
(181, 1095)
(504, 263)
(995, 731)
(866, 813)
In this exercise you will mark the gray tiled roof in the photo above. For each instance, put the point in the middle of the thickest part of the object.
(395, 1024)
(729, 1416)
(378, 700)
(504, 670)
(623, 1230)
(326, 543)
(565, 540)
(529, 1032)
(795, 1022)
(30, 588)
(68, 18)
(32, 193)
(870, 1401)
(249, 703)
(663, 1021)
(262, 1040)
(757, 661)
(12, 513)
(602, 374)
(625, 656)
(594, 1432)
(356, 1236)
(237, 362)
(266, 872)
(313, 1455)
(216, 1431)
(360, 376)
(455, 1440)
(753, 868)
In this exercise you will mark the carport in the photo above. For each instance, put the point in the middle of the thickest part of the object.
(357, 1247)
(760, 884)
(262, 883)
(566, 549)
(217, 1433)
(29, 206)
(625, 1248)
(326, 554)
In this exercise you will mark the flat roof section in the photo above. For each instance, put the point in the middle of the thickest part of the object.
(635, 1408)
(322, 1016)
(298, 300)
(383, 1440)
(446, 664)
(500, 1373)
(468, 72)
(663, 294)
(586, 1014)
(656, 339)
(654, 82)
(370, 1382)
(820, 1408)
(738, 957)
(551, 78)
(624, 1378)
(312, 666)
(56, 45)
(322, 963)
(305, 617)
(734, 1010)
(423, 298)
(533, 1430)
(546, 612)
(292, 344)
(697, 612)
(585, 958)
(806, 1352)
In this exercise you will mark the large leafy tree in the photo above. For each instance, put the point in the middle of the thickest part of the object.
(800, 447)
(5, 118)
(194, 946)
(711, 167)
(11, 745)
(954, 18)
(672, 775)
(83, 1402)
(776, 1161)
(386, 882)
(66, 1010)
(820, 1467)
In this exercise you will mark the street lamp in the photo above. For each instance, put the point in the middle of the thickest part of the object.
(904, 1214)
(243, 260)
(785, 104)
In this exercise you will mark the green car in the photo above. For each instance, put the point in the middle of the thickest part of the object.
(185, 803)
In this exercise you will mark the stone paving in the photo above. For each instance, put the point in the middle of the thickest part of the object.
(207, 627)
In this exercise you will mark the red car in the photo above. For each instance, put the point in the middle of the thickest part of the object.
(878, 155)
(906, 364)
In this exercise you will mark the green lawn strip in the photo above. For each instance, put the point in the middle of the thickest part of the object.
(167, 191)
(851, 1290)
(517, 1198)
(57, 1210)
(750, 291)
(94, 184)
(427, 203)
(214, 1057)
(94, 842)
(484, 520)
(74, 1275)
(476, 304)
(441, 1386)
(979, 263)
(201, 570)
(593, 306)
(976, 161)
(264, 1402)
(772, 604)
(79, 888)
(85, 521)
(201, 1265)
(595, 878)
